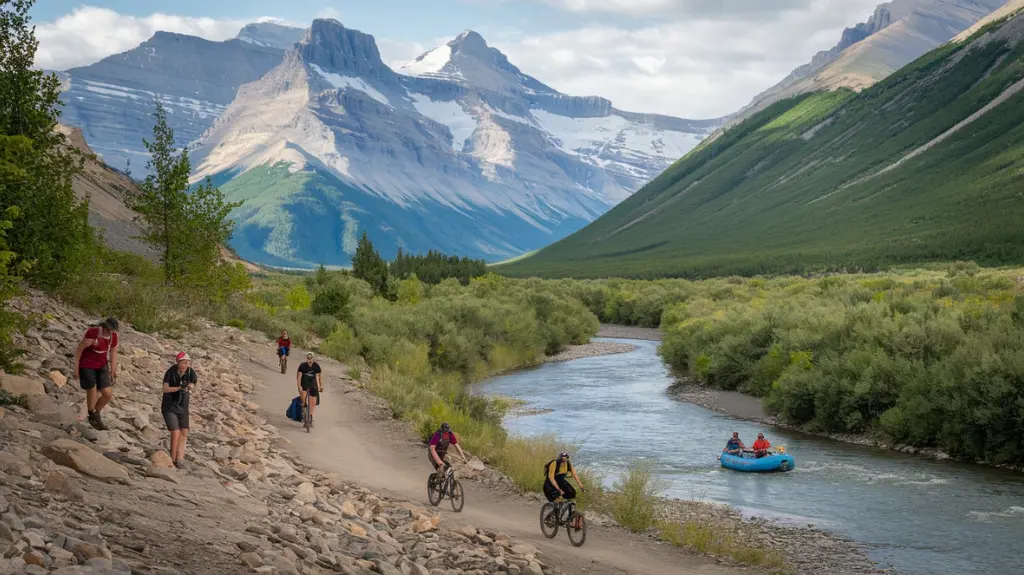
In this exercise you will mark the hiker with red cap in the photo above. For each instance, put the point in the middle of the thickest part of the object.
(178, 384)
(96, 367)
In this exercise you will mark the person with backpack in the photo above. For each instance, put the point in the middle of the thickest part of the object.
(437, 447)
(179, 380)
(556, 483)
(96, 367)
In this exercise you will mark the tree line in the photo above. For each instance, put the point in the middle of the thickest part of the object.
(385, 278)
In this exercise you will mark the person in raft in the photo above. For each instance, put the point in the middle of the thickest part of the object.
(96, 367)
(734, 446)
(179, 381)
(761, 446)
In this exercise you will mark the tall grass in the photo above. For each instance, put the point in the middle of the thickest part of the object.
(635, 497)
(707, 538)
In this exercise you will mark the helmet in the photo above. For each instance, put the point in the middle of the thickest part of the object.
(445, 427)
(563, 455)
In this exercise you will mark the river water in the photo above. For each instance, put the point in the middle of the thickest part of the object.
(915, 515)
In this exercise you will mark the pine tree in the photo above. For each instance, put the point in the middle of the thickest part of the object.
(53, 231)
(368, 266)
(187, 226)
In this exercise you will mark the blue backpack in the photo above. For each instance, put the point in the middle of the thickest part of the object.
(294, 411)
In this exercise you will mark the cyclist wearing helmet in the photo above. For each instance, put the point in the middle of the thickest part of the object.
(439, 443)
(555, 483)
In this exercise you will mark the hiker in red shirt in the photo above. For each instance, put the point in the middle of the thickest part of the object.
(761, 446)
(96, 367)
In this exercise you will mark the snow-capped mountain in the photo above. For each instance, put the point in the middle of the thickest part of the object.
(112, 100)
(459, 151)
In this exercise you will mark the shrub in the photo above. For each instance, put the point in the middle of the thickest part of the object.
(237, 323)
(707, 538)
(635, 498)
(7, 398)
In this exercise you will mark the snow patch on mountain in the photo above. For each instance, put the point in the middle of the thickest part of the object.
(587, 136)
(348, 82)
(449, 113)
(429, 63)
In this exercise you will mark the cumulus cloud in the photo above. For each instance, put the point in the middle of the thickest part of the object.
(89, 33)
(707, 61)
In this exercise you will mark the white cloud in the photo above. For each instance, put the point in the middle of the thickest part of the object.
(89, 34)
(700, 67)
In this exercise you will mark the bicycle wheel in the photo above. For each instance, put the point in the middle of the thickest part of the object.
(307, 417)
(549, 520)
(576, 529)
(284, 364)
(433, 490)
(457, 496)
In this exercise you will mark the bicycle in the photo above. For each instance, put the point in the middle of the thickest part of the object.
(563, 513)
(445, 485)
(283, 361)
(307, 417)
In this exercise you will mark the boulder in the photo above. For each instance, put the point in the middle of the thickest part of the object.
(161, 460)
(84, 460)
(58, 378)
(18, 385)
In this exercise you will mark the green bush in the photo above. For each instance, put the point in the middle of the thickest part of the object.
(7, 398)
(929, 358)
(634, 501)
(341, 344)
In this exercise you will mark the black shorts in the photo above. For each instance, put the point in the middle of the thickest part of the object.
(552, 493)
(98, 378)
(431, 458)
(313, 389)
(175, 420)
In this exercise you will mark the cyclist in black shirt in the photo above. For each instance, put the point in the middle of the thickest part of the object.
(179, 381)
(309, 380)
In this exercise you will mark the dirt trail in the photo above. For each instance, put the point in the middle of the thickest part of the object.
(352, 440)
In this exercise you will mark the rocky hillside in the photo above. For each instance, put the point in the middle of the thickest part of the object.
(76, 501)
(461, 152)
(112, 100)
(897, 33)
(107, 190)
(923, 166)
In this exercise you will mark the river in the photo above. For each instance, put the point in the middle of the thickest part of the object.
(918, 516)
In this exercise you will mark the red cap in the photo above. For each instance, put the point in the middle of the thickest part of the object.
(182, 356)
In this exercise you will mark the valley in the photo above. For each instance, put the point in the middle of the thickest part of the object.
(921, 167)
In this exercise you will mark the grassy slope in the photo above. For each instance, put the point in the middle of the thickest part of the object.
(764, 199)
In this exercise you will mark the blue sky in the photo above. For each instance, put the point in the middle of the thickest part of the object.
(688, 58)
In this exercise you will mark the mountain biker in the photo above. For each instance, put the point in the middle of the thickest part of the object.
(555, 483)
(438, 446)
(96, 367)
(309, 380)
(284, 345)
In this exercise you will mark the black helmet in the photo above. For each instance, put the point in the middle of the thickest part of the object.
(563, 455)
(110, 323)
(445, 427)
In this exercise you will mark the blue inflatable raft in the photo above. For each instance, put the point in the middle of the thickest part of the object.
(772, 462)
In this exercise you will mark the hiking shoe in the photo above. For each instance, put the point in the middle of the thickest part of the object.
(94, 419)
(181, 465)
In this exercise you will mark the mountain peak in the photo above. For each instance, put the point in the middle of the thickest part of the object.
(469, 40)
(271, 34)
(331, 45)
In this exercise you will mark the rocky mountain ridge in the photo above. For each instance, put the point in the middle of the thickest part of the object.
(895, 34)
(476, 158)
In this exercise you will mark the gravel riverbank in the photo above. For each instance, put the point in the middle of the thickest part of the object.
(629, 332)
(592, 349)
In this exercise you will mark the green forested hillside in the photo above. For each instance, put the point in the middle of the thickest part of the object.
(817, 182)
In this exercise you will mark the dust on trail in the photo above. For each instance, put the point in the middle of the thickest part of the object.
(354, 438)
